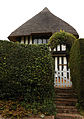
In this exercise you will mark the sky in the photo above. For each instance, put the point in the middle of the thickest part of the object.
(13, 13)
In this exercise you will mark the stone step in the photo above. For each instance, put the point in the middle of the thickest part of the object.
(68, 116)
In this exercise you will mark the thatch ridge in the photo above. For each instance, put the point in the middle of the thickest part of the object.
(43, 22)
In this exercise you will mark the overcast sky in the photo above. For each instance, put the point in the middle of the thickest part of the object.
(14, 13)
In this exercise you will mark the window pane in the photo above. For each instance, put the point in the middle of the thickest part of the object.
(63, 47)
(44, 40)
(54, 49)
(58, 47)
(35, 41)
(39, 41)
(47, 40)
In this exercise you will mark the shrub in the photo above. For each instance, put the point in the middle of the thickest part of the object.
(77, 68)
(61, 38)
(26, 72)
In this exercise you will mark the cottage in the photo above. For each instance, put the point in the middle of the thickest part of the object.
(38, 30)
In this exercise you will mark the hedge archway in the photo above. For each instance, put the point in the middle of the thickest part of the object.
(61, 38)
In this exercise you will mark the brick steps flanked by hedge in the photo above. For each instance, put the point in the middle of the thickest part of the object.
(66, 104)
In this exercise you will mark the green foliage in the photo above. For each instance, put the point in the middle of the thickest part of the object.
(26, 80)
(16, 109)
(61, 38)
(77, 68)
(26, 72)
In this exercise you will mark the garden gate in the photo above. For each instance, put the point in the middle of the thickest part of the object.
(62, 78)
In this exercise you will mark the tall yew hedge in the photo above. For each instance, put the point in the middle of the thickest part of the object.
(77, 68)
(26, 72)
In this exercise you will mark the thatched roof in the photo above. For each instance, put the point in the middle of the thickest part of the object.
(43, 22)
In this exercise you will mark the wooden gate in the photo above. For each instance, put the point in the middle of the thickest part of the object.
(62, 78)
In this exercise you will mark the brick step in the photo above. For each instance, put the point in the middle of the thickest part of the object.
(68, 116)
(67, 90)
(68, 100)
(65, 107)
(65, 96)
(66, 93)
(70, 111)
(65, 103)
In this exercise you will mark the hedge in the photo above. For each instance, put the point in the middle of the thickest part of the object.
(26, 72)
(61, 37)
(77, 68)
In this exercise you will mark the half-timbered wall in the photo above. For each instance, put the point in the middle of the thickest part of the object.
(61, 63)
(25, 40)
(60, 48)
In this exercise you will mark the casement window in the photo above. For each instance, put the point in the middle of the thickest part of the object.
(60, 48)
(44, 41)
(63, 47)
(40, 41)
(35, 41)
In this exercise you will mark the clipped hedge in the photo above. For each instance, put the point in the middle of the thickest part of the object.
(77, 68)
(26, 72)
(61, 37)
